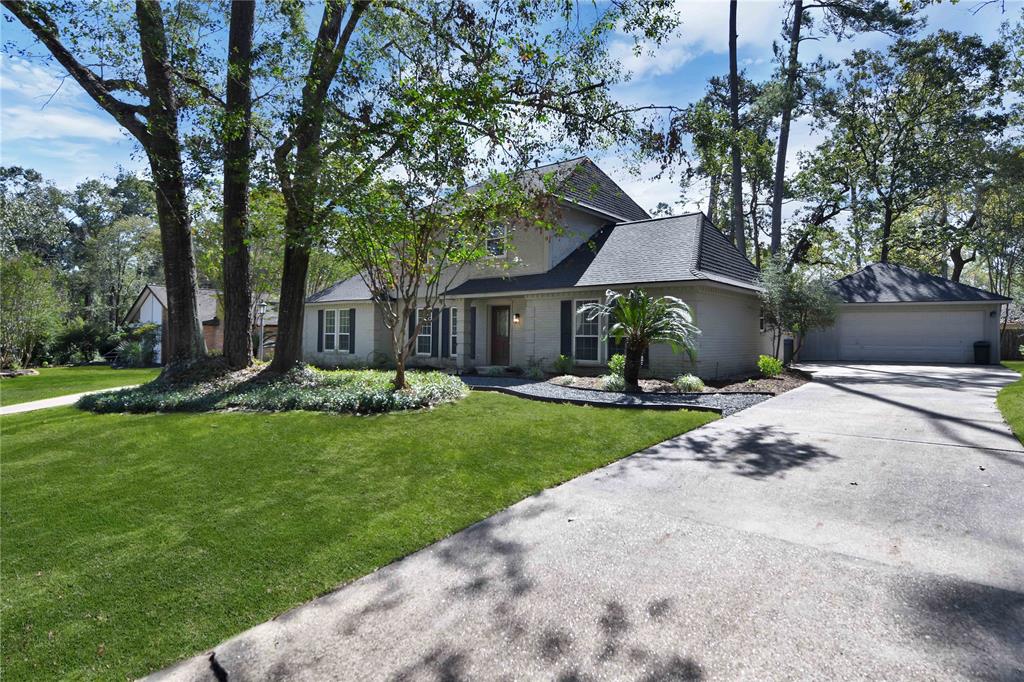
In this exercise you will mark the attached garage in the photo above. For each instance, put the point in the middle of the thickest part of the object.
(891, 313)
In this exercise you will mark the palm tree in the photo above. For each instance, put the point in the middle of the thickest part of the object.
(640, 320)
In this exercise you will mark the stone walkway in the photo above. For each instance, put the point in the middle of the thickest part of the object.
(722, 403)
(59, 401)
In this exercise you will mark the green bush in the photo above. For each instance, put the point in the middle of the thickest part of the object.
(342, 391)
(131, 354)
(769, 366)
(80, 341)
(617, 365)
(688, 383)
(613, 382)
(563, 365)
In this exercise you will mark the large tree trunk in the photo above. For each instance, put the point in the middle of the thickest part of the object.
(788, 103)
(184, 333)
(716, 181)
(237, 158)
(631, 372)
(299, 176)
(886, 233)
(736, 180)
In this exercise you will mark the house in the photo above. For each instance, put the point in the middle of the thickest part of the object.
(519, 307)
(150, 306)
(892, 313)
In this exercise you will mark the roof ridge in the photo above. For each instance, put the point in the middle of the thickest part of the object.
(661, 217)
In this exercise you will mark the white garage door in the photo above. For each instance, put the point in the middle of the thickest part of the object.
(910, 336)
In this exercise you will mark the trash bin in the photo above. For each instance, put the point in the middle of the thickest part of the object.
(787, 351)
(982, 352)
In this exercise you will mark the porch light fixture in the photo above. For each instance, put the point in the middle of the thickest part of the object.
(515, 318)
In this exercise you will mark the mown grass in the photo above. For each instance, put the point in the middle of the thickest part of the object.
(131, 541)
(1011, 400)
(56, 381)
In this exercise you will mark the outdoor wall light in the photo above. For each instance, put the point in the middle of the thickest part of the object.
(515, 318)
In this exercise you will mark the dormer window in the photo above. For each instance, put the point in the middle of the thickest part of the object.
(497, 241)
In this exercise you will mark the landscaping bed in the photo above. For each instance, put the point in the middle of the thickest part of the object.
(787, 381)
(306, 388)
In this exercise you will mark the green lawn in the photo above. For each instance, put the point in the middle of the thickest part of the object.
(1011, 401)
(131, 541)
(54, 381)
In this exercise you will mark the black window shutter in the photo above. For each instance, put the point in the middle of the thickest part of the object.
(435, 328)
(446, 336)
(645, 358)
(351, 330)
(566, 346)
(320, 331)
(472, 331)
(412, 324)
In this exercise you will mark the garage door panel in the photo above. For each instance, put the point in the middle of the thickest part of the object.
(910, 336)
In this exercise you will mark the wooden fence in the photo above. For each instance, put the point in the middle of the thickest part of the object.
(1010, 341)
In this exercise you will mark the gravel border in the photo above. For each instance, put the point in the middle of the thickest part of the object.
(720, 403)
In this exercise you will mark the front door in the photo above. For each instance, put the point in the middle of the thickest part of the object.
(500, 324)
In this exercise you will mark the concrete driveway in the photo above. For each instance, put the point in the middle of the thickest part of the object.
(869, 525)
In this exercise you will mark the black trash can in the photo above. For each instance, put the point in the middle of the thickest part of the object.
(787, 351)
(982, 352)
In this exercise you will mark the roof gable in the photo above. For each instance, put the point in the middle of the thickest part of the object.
(890, 283)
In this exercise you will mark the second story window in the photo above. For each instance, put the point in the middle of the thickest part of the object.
(497, 240)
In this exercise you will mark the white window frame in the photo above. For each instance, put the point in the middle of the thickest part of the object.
(330, 330)
(502, 241)
(575, 319)
(333, 318)
(453, 330)
(429, 335)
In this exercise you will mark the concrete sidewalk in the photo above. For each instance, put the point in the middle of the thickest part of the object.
(869, 525)
(59, 401)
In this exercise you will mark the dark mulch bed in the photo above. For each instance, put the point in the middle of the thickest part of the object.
(786, 381)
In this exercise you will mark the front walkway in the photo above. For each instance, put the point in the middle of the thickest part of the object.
(59, 401)
(864, 526)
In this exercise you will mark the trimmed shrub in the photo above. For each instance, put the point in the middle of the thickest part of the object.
(769, 366)
(613, 382)
(688, 383)
(563, 365)
(340, 391)
(617, 365)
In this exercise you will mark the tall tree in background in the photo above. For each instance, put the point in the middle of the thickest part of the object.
(841, 18)
(237, 131)
(736, 176)
(152, 119)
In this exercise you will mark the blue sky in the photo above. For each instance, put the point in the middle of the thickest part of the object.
(68, 138)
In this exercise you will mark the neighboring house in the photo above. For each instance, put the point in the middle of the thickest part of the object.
(518, 308)
(892, 313)
(151, 306)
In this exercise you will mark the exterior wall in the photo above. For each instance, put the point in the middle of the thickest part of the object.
(365, 334)
(578, 227)
(213, 335)
(823, 345)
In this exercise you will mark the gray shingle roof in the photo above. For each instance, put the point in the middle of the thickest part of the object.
(672, 249)
(587, 185)
(351, 289)
(889, 283)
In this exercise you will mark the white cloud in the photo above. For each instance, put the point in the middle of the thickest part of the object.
(23, 79)
(54, 123)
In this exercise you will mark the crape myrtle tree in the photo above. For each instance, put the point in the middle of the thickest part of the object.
(795, 301)
(144, 85)
(523, 77)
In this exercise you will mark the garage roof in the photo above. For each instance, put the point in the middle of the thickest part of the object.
(889, 283)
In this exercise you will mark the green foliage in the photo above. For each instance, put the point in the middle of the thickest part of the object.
(617, 364)
(563, 364)
(342, 391)
(795, 302)
(640, 320)
(613, 382)
(688, 383)
(80, 341)
(30, 309)
(770, 366)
